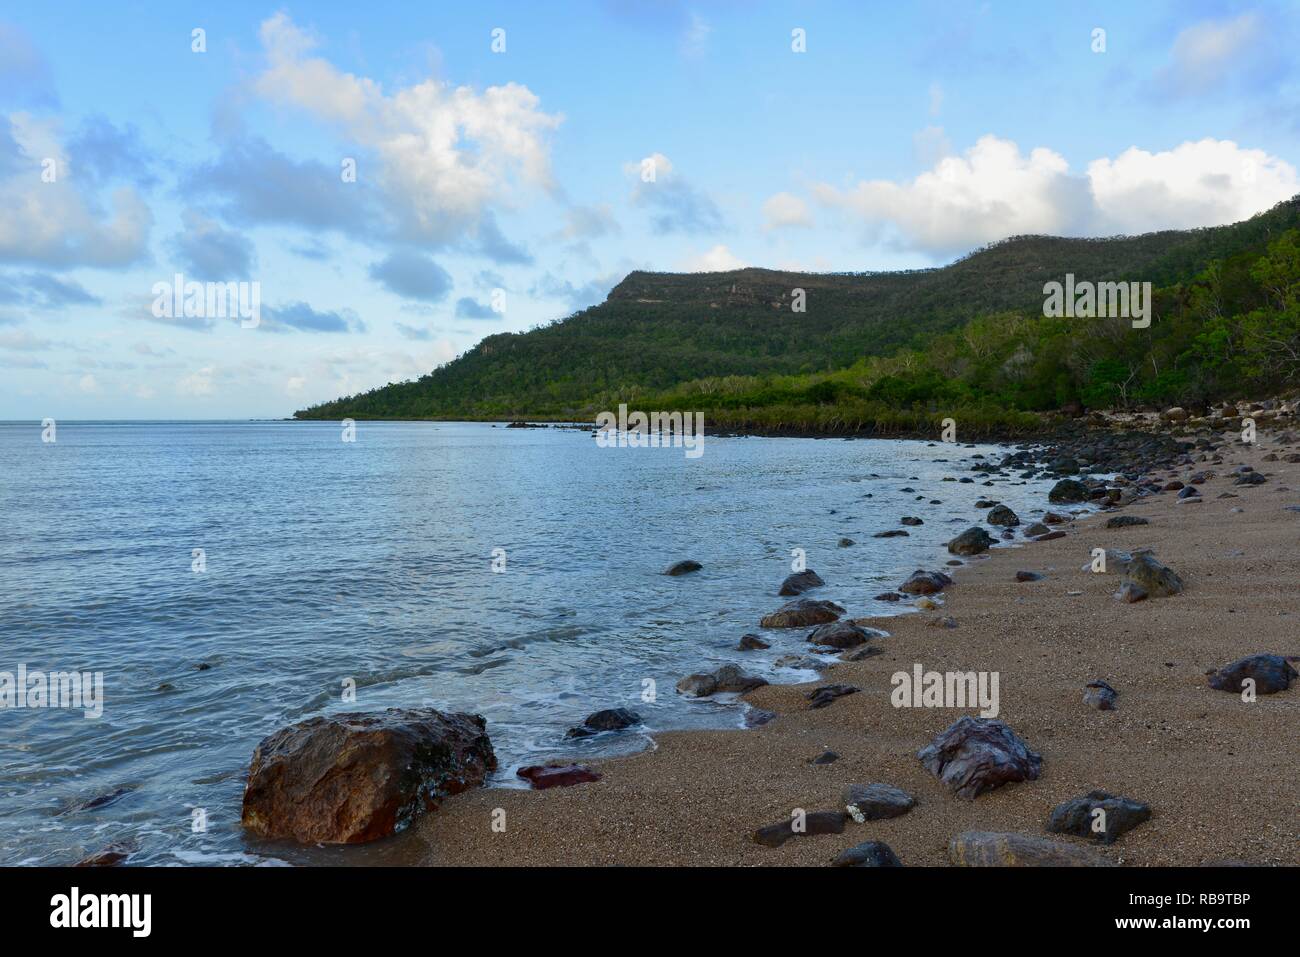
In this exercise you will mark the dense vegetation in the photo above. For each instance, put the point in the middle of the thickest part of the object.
(888, 351)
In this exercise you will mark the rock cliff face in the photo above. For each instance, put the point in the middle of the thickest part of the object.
(349, 778)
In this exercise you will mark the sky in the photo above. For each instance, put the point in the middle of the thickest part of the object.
(391, 182)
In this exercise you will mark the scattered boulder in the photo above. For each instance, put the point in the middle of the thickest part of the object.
(1050, 536)
(1068, 490)
(802, 662)
(971, 542)
(841, 635)
(1001, 515)
(922, 582)
(874, 802)
(947, 621)
(1052, 518)
(1080, 816)
(1023, 576)
(1271, 673)
(732, 678)
(348, 778)
(1035, 529)
(888, 596)
(1250, 478)
(861, 653)
(892, 533)
(818, 822)
(801, 613)
(542, 777)
(990, 849)
(826, 757)
(974, 755)
(1130, 593)
(868, 854)
(110, 856)
(683, 568)
(1126, 521)
(846, 542)
(911, 520)
(823, 696)
(800, 582)
(1157, 580)
(612, 719)
(752, 643)
(1100, 695)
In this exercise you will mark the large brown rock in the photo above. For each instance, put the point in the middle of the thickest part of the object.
(923, 582)
(990, 849)
(802, 612)
(348, 778)
(974, 755)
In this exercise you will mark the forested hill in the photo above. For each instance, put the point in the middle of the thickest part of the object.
(656, 331)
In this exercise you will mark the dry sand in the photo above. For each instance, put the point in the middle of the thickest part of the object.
(1220, 774)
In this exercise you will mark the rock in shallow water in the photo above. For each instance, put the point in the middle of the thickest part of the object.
(802, 612)
(611, 719)
(1098, 815)
(868, 854)
(752, 643)
(348, 778)
(1001, 515)
(1271, 673)
(542, 777)
(974, 755)
(973, 541)
(800, 582)
(990, 849)
(841, 635)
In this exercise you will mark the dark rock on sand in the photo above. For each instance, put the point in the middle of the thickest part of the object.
(802, 612)
(611, 719)
(1068, 490)
(818, 822)
(875, 802)
(1250, 478)
(990, 849)
(868, 854)
(1126, 521)
(971, 542)
(841, 635)
(732, 678)
(826, 694)
(1050, 536)
(861, 653)
(542, 777)
(1100, 695)
(826, 757)
(1080, 816)
(975, 755)
(1131, 593)
(752, 643)
(683, 568)
(1023, 576)
(347, 778)
(1052, 518)
(800, 582)
(1157, 580)
(1035, 529)
(922, 582)
(1001, 515)
(1271, 673)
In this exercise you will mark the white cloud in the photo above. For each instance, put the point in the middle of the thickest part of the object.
(717, 259)
(88, 384)
(993, 191)
(1206, 183)
(197, 383)
(1206, 52)
(785, 209)
(58, 223)
(446, 154)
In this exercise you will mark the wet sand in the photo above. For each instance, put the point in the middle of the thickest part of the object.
(1219, 774)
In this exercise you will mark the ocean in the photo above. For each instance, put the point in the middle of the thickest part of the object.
(228, 578)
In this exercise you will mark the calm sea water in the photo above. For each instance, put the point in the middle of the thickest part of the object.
(372, 561)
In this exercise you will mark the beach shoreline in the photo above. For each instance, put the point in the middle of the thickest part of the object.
(1217, 772)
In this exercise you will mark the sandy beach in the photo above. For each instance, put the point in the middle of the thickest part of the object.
(1217, 772)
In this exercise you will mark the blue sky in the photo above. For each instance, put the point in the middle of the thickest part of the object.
(903, 135)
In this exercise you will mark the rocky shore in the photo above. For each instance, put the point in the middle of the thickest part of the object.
(1145, 657)
(1115, 690)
